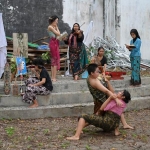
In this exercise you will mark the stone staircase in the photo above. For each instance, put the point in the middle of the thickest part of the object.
(70, 98)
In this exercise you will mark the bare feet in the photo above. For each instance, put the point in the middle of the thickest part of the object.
(128, 127)
(75, 77)
(117, 133)
(22, 94)
(34, 106)
(72, 138)
(54, 80)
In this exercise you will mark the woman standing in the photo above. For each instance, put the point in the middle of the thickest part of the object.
(77, 53)
(100, 59)
(135, 57)
(54, 46)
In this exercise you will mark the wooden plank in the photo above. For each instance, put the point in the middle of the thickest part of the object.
(41, 39)
(63, 59)
(20, 44)
(29, 50)
(63, 50)
(45, 43)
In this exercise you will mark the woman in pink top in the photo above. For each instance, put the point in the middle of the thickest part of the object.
(110, 118)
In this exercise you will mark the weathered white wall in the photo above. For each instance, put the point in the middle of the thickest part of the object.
(81, 11)
(109, 21)
(136, 14)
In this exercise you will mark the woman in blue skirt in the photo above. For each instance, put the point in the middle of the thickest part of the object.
(135, 57)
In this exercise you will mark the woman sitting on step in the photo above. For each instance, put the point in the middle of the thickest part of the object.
(40, 85)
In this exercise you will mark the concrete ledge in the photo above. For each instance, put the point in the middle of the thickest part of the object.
(63, 98)
(64, 85)
(63, 110)
(16, 101)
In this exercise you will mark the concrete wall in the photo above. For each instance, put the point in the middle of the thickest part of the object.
(136, 14)
(84, 11)
(31, 16)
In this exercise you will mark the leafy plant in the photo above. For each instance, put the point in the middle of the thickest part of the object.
(46, 56)
(13, 65)
(10, 131)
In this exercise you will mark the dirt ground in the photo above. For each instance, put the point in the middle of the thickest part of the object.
(51, 133)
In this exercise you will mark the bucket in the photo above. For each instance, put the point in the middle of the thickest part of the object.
(84, 74)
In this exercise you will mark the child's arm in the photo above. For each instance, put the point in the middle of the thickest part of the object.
(105, 103)
(118, 102)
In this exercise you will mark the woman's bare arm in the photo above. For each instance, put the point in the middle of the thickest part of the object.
(56, 30)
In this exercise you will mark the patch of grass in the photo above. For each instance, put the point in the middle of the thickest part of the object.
(144, 138)
(29, 138)
(123, 132)
(10, 131)
(134, 135)
(65, 145)
(29, 146)
(88, 147)
(86, 130)
(40, 144)
(60, 136)
(46, 131)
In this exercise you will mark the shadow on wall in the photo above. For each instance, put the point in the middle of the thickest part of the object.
(31, 16)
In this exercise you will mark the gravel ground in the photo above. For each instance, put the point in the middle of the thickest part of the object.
(51, 133)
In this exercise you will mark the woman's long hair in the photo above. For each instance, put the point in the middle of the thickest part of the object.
(135, 32)
(52, 19)
(73, 27)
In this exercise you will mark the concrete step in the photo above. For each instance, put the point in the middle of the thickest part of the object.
(69, 85)
(63, 98)
(63, 110)
(81, 85)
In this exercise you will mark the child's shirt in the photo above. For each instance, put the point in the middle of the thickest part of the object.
(112, 106)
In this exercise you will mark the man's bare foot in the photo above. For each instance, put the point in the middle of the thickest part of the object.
(117, 133)
(34, 106)
(128, 127)
(72, 138)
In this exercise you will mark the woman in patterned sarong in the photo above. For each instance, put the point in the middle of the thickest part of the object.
(110, 120)
(100, 89)
(41, 85)
(77, 52)
(54, 46)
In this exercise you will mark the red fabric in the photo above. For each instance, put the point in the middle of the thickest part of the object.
(74, 41)
(54, 51)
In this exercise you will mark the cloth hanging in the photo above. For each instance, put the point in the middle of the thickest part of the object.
(3, 44)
